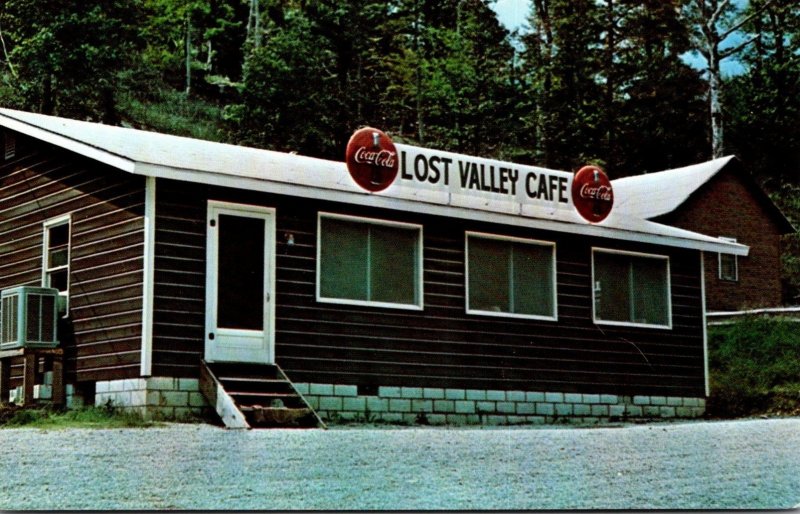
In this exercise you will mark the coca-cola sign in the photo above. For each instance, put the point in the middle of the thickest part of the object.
(592, 194)
(371, 159)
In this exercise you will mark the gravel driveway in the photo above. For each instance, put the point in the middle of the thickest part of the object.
(752, 464)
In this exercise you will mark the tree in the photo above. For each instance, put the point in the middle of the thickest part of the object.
(288, 92)
(765, 102)
(561, 64)
(713, 22)
(65, 57)
(467, 94)
(656, 113)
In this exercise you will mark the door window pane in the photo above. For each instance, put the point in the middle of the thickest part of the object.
(240, 286)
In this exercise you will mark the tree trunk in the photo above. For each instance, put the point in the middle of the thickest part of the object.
(47, 105)
(188, 55)
(708, 18)
(418, 78)
(545, 52)
(715, 104)
(254, 24)
(610, 83)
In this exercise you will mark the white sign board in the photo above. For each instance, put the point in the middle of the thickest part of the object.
(456, 179)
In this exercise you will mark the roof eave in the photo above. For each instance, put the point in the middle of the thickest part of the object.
(420, 206)
(67, 143)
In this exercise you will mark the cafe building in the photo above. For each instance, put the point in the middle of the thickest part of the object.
(404, 285)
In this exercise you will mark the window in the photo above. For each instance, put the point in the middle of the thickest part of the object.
(56, 255)
(631, 288)
(728, 264)
(510, 277)
(369, 262)
(9, 145)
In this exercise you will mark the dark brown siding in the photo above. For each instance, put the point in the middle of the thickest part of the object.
(179, 295)
(106, 205)
(441, 346)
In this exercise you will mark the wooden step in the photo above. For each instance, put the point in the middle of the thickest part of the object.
(246, 370)
(245, 399)
(249, 395)
(273, 385)
(269, 416)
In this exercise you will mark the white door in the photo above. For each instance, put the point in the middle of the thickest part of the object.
(240, 263)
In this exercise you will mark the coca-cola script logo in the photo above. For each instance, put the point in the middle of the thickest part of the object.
(592, 194)
(384, 158)
(371, 159)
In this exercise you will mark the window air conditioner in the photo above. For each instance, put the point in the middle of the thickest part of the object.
(28, 318)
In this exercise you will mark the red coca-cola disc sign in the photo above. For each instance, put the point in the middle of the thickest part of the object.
(371, 159)
(592, 193)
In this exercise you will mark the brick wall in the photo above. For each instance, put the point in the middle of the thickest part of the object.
(726, 207)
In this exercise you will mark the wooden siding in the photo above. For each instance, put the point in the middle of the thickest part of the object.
(102, 337)
(180, 275)
(441, 346)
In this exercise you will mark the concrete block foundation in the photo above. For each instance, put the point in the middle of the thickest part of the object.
(435, 406)
(156, 398)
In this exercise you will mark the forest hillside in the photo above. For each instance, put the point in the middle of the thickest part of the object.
(589, 81)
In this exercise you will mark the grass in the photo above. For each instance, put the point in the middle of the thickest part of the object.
(171, 112)
(755, 368)
(89, 417)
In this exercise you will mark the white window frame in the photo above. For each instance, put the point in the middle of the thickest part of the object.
(497, 237)
(735, 262)
(46, 269)
(419, 286)
(665, 258)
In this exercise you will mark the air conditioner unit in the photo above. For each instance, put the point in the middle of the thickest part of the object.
(28, 318)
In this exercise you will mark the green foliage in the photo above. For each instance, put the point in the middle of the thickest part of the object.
(90, 417)
(787, 198)
(289, 99)
(752, 362)
(66, 55)
(605, 80)
(170, 112)
(592, 81)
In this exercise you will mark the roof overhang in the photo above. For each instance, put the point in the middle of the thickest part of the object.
(306, 177)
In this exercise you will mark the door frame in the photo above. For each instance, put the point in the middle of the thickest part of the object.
(265, 354)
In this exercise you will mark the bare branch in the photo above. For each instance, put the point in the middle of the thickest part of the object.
(712, 21)
(5, 54)
(730, 51)
(743, 21)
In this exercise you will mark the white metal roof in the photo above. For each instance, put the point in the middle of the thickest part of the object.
(166, 156)
(655, 194)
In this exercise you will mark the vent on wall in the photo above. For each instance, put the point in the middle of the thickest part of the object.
(9, 145)
(28, 317)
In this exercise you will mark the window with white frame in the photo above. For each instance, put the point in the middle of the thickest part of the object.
(728, 264)
(56, 258)
(509, 276)
(631, 288)
(369, 262)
